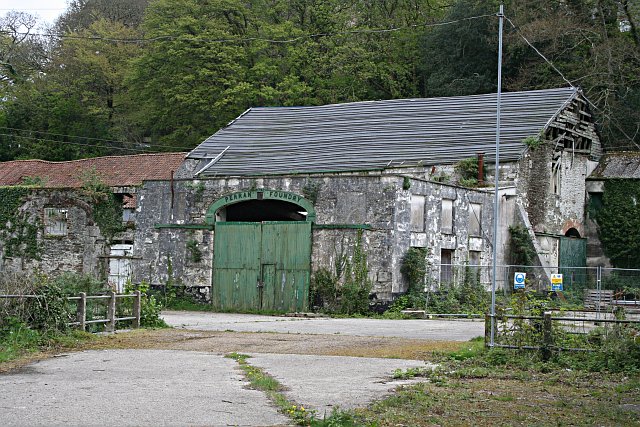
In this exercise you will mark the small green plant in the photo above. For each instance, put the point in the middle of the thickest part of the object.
(33, 181)
(198, 188)
(311, 190)
(468, 170)
(406, 183)
(150, 307)
(533, 142)
(195, 255)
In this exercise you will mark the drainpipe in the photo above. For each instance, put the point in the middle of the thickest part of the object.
(480, 168)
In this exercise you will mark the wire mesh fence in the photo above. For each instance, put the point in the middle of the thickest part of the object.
(614, 286)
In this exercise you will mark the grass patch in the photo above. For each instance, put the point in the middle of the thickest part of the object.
(479, 387)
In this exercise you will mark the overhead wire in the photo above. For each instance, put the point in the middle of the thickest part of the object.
(252, 39)
(112, 141)
(137, 150)
(612, 120)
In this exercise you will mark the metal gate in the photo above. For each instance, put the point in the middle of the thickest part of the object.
(262, 265)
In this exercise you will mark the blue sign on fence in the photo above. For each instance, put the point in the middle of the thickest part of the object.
(518, 280)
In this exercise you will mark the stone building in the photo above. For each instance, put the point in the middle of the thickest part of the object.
(282, 192)
(55, 219)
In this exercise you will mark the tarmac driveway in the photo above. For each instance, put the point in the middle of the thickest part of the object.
(427, 329)
(177, 388)
(188, 386)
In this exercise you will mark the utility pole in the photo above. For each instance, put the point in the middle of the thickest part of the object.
(496, 206)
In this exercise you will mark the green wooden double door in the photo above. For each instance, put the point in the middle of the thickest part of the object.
(262, 265)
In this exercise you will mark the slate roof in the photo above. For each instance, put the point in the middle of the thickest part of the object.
(115, 171)
(378, 134)
(622, 164)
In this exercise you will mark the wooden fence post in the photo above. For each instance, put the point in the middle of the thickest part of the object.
(136, 308)
(81, 311)
(487, 330)
(547, 336)
(111, 312)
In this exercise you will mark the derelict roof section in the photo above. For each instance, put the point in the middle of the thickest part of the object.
(622, 164)
(376, 134)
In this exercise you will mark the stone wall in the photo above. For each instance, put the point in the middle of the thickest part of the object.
(554, 202)
(78, 250)
(381, 202)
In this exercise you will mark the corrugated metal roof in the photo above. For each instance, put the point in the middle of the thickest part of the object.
(376, 134)
(624, 164)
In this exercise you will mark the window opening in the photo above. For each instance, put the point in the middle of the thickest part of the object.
(417, 212)
(475, 216)
(446, 218)
(55, 221)
(446, 267)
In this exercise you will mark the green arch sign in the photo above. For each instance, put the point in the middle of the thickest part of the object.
(263, 194)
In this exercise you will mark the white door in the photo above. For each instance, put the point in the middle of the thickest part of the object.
(120, 265)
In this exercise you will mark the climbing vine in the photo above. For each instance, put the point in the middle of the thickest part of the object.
(619, 222)
(18, 233)
(347, 289)
(522, 250)
(107, 209)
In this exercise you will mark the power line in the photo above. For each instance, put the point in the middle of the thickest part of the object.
(538, 52)
(253, 39)
(134, 150)
(612, 120)
(89, 138)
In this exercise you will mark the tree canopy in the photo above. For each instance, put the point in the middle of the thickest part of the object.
(122, 76)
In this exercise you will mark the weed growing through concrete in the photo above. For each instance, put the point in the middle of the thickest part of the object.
(260, 380)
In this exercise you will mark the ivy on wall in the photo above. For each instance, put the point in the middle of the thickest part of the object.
(18, 234)
(619, 222)
(107, 209)
(521, 246)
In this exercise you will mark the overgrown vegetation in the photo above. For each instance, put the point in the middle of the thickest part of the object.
(468, 171)
(619, 222)
(30, 323)
(521, 246)
(18, 230)
(465, 294)
(346, 289)
(107, 209)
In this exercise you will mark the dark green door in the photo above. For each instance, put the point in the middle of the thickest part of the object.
(572, 262)
(262, 266)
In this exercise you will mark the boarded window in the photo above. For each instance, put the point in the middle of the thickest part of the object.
(417, 213)
(474, 257)
(446, 218)
(446, 267)
(475, 219)
(55, 222)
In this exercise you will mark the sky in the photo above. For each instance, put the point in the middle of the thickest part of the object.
(47, 10)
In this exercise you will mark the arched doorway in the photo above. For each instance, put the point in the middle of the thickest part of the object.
(262, 251)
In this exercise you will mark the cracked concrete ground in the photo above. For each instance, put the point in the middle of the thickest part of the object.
(188, 386)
